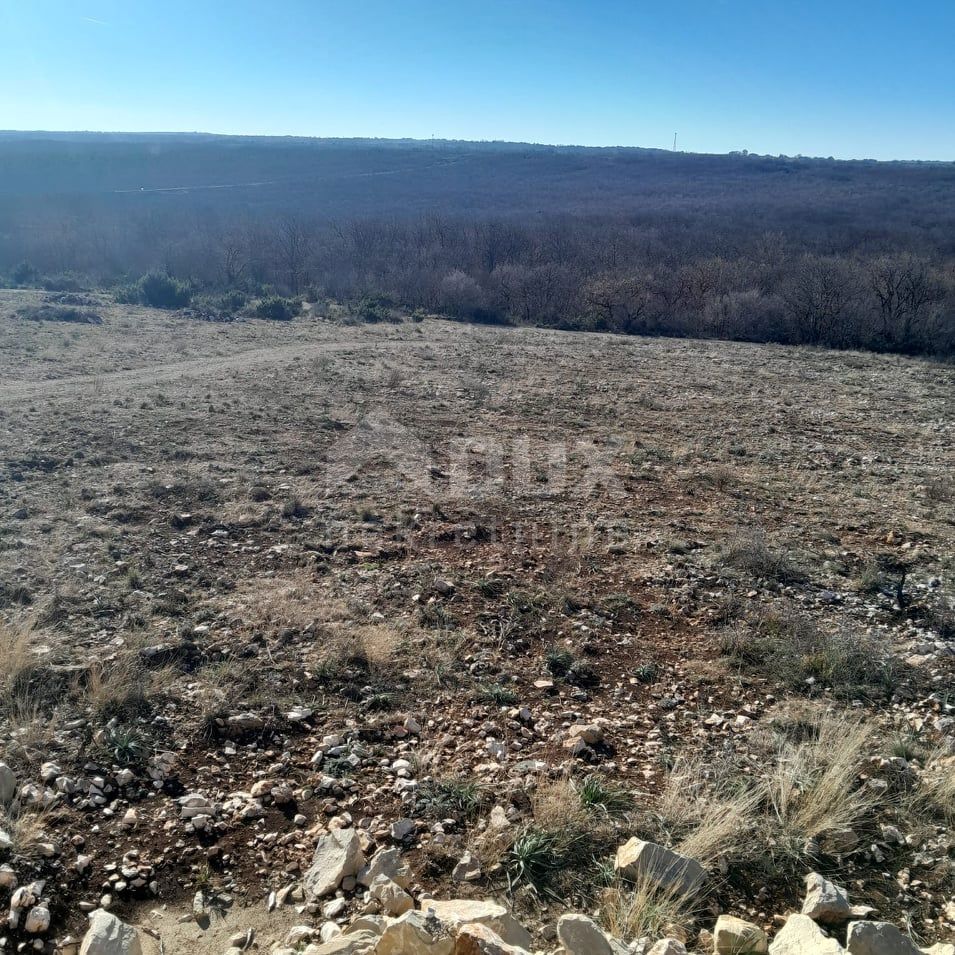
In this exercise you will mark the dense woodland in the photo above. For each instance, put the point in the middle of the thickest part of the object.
(816, 251)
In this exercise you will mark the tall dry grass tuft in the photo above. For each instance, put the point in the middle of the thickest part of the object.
(723, 828)
(18, 663)
(643, 909)
(706, 810)
(934, 793)
(556, 805)
(26, 830)
(812, 785)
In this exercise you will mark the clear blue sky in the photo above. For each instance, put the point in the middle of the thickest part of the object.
(818, 77)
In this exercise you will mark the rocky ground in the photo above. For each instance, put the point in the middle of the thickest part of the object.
(306, 624)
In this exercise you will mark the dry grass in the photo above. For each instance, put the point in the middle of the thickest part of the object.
(26, 829)
(555, 805)
(378, 643)
(790, 647)
(117, 688)
(18, 663)
(812, 786)
(722, 827)
(709, 809)
(643, 909)
(934, 793)
(30, 734)
(706, 814)
(751, 552)
(293, 600)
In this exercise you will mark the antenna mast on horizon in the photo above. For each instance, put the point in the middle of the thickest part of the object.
(674, 142)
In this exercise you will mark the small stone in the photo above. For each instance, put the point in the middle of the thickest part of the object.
(390, 896)
(590, 733)
(386, 862)
(38, 920)
(468, 869)
(402, 829)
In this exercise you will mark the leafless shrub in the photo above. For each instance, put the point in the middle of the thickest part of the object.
(751, 552)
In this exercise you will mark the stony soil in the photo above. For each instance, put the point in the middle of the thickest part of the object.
(363, 566)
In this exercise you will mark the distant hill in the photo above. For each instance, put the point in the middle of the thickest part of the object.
(331, 178)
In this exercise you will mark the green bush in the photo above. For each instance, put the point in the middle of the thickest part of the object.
(231, 301)
(25, 274)
(163, 291)
(63, 282)
(377, 308)
(278, 309)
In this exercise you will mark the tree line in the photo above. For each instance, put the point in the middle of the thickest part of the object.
(568, 273)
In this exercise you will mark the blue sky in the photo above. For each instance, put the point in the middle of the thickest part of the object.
(849, 79)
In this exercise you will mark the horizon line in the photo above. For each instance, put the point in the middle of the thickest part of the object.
(736, 153)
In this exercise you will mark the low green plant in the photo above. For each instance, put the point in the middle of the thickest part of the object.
(559, 660)
(275, 308)
(160, 290)
(596, 793)
(536, 858)
(496, 695)
(453, 795)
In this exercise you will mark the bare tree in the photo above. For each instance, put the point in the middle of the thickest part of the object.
(293, 245)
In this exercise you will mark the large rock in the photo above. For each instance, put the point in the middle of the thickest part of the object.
(735, 936)
(390, 896)
(638, 860)
(415, 933)
(580, 935)
(355, 943)
(338, 854)
(454, 913)
(825, 901)
(386, 862)
(478, 939)
(878, 938)
(107, 935)
(8, 785)
(801, 936)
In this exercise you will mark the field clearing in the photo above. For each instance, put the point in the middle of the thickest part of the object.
(209, 530)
